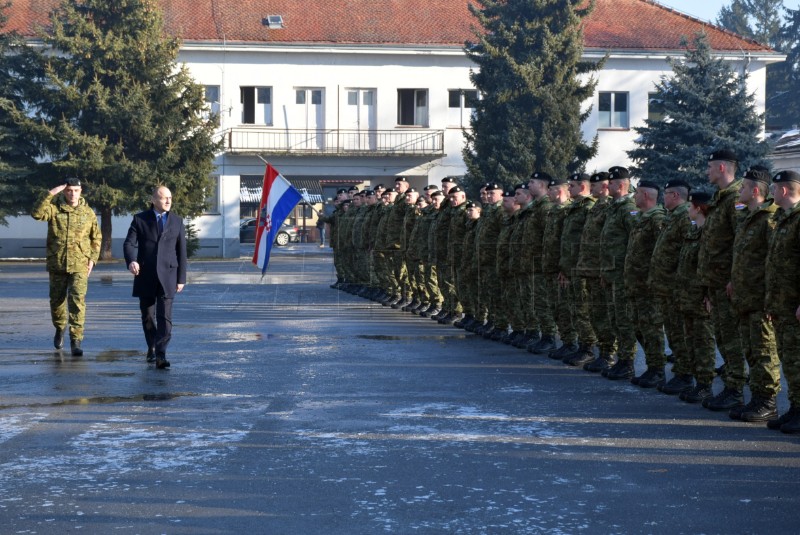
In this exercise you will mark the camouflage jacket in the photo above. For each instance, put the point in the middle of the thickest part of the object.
(440, 229)
(641, 241)
(488, 231)
(418, 240)
(716, 251)
(468, 263)
(358, 226)
(574, 221)
(334, 220)
(614, 237)
(503, 256)
(664, 262)
(518, 249)
(783, 262)
(692, 292)
(455, 236)
(73, 236)
(528, 256)
(381, 221)
(749, 258)
(370, 227)
(409, 221)
(589, 257)
(551, 243)
(394, 227)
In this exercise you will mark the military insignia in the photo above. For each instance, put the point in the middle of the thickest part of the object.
(739, 206)
(634, 212)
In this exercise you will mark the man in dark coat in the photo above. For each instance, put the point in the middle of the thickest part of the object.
(155, 252)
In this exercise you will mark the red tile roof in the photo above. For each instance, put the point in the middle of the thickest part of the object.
(614, 24)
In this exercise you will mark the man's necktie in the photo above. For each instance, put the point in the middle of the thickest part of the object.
(160, 224)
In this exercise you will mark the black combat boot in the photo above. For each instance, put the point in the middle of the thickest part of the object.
(604, 362)
(679, 383)
(582, 356)
(529, 338)
(546, 344)
(651, 378)
(58, 339)
(776, 423)
(565, 349)
(760, 409)
(725, 400)
(75, 347)
(621, 370)
(697, 394)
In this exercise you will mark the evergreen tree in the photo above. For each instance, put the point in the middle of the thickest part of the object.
(735, 18)
(16, 153)
(787, 97)
(106, 101)
(529, 117)
(706, 108)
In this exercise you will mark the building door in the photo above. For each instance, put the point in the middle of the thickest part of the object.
(360, 120)
(310, 111)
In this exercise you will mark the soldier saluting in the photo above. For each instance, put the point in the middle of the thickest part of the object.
(73, 248)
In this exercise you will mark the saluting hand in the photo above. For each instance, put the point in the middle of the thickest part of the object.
(58, 189)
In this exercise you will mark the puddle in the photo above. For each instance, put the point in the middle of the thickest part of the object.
(385, 337)
(242, 337)
(114, 355)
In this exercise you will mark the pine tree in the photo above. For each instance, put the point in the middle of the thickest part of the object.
(108, 103)
(787, 96)
(529, 117)
(706, 108)
(735, 18)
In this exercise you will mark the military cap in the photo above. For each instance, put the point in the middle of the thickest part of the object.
(509, 192)
(557, 182)
(786, 176)
(362, 193)
(724, 154)
(618, 172)
(437, 193)
(74, 182)
(369, 193)
(411, 190)
(758, 174)
(388, 192)
(472, 204)
(677, 183)
(341, 190)
(649, 184)
(421, 200)
(380, 186)
(353, 188)
(493, 185)
(346, 201)
(430, 187)
(602, 176)
(448, 179)
(700, 197)
(579, 177)
(400, 179)
(455, 189)
(541, 175)
(522, 185)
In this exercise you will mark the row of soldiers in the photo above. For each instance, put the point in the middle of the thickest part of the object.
(601, 267)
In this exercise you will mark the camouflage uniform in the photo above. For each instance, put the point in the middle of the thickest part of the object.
(614, 239)
(380, 255)
(455, 240)
(333, 240)
(398, 274)
(714, 270)
(783, 295)
(748, 279)
(538, 315)
(426, 245)
(417, 253)
(578, 295)
(589, 268)
(409, 253)
(664, 285)
(698, 327)
(369, 231)
(522, 299)
(360, 246)
(468, 272)
(505, 281)
(73, 239)
(645, 309)
(438, 250)
(486, 249)
(557, 300)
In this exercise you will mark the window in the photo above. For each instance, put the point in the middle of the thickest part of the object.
(300, 96)
(256, 105)
(460, 103)
(212, 197)
(655, 107)
(613, 110)
(412, 107)
(212, 98)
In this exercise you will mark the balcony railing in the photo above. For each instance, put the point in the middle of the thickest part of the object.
(334, 142)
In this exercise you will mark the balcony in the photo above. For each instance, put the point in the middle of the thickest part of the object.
(333, 142)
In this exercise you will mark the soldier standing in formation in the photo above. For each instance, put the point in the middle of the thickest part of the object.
(588, 261)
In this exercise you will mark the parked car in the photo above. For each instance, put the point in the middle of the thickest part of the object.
(286, 234)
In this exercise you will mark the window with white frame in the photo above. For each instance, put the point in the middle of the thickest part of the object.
(412, 107)
(655, 107)
(212, 98)
(460, 106)
(256, 105)
(613, 109)
(212, 197)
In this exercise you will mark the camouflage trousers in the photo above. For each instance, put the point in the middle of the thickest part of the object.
(362, 266)
(579, 310)
(505, 304)
(447, 287)
(431, 276)
(620, 315)
(558, 302)
(787, 334)
(489, 288)
(68, 294)
(673, 326)
(338, 264)
(396, 273)
(649, 322)
(542, 312)
(381, 271)
(468, 291)
(598, 315)
(701, 352)
(726, 332)
(524, 304)
(761, 353)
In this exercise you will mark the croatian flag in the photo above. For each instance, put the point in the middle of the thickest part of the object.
(278, 199)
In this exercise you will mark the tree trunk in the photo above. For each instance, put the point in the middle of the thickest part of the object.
(105, 230)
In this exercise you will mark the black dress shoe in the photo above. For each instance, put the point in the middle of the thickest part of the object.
(161, 362)
(75, 347)
(58, 339)
(151, 354)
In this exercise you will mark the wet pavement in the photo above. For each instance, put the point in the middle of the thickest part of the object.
(293, 408)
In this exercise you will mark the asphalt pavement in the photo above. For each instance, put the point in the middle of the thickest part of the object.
(293, 408)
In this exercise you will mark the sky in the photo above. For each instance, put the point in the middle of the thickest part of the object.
(709, 9)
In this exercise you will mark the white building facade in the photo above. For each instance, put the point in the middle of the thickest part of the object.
(366, 110)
